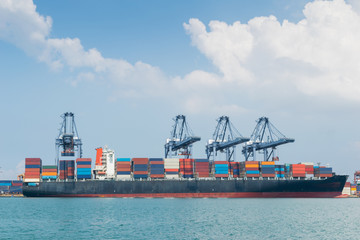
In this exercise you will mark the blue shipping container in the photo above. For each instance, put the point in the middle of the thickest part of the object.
(123, 159)
(84, 176)
(157, 166)
(201, 160)
(5, 184)
(156, 159)
(84, 163)
(140, 167)
(48, 177)
(83, 170)
(32, 166)
(123, 173)
(137, 176)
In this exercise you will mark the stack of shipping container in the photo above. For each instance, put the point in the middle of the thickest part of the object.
(353, 189)
(268, 169)
(49, 172)
(67, 169)
(287, 170)
(187, 167)
(202, 168)
(279, 171)
(123, 168)
(157, 168)
(298, 170)
(235, 169)
(140, 168)
(83, 168)
(322, 171)
(32, 169)
(5, 186)
(171, 166)
(221, 168)
(16, 187)
(11, 186)
(249, 169)
(309, 169)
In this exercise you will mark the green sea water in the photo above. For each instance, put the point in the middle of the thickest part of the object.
(133, 218)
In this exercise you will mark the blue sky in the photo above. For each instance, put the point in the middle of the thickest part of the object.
(126, 68)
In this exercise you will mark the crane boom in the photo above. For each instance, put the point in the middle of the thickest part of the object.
(265, 136)
(225, 139)
(181, 138)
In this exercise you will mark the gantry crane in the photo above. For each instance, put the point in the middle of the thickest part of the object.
(225, 139)
(181, 139)
(68, 142)
(264, 137)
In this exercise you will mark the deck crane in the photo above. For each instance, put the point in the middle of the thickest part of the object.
(68, 142)
(225, 139)
(264, 137)
(181, 139)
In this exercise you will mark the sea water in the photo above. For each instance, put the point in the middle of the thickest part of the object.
(135, 218)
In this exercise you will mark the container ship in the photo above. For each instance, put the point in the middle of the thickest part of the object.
(177, 175)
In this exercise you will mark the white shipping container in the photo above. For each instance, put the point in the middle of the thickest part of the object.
(122, 177)
(32, 180)
(171, 163)
(307, 163)
(172, 176)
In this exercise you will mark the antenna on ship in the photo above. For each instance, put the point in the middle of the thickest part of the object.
(225, 139)
(181, 139)
(68, 142)
(265, 137)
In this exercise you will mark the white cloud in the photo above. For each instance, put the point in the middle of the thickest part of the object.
(22, 26)
(319, 55)
(228, 46)
(260, 59)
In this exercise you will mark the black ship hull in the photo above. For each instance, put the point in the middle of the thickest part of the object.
(227, 188)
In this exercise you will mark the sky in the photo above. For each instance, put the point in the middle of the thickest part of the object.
(127, 68)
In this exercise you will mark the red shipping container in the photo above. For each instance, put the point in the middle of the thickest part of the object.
(171, 170)
(268, 175)
(29, 175)
(140, 160)
(32, 160)
(83, 166)
(253, 175)
(221, 175)
(123, 169)
(16, 184)
(252, 169)
(157, 175)
(37, 171)
(326, 175)
(157, 163)
(221, 162)
(298, 175)
(83, 160)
